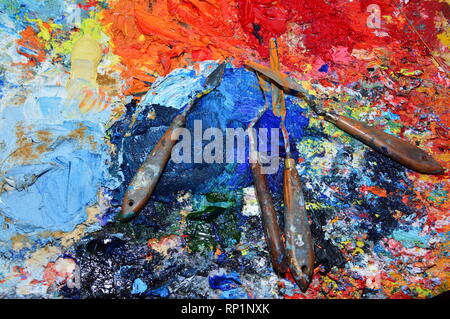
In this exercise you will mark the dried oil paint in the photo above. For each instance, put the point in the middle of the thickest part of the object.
(379, 229)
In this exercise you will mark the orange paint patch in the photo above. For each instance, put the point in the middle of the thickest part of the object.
(31, 46)
(171, 34)
(374, 190)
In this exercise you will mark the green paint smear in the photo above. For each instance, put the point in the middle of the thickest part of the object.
(168, 220)
(438, 196)
(214, 223)
(394, 127)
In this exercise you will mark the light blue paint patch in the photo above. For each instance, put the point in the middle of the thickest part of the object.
(51, 192)
(27, 51)
(6, 23)
(411, 238)
(365, 180)
(48, 105)
(24, 176)
(238, 293)
(178, 89)
(42, 9)
(139, 286)
(57, 198)
(392, 117)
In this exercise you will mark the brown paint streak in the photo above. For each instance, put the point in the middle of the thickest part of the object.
(44, 136)
(107, 83)
(27, 150)
(79, 133)
(278, 77)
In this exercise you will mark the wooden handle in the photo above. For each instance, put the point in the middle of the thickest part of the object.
(399, 150)
(144, 182)
(299, 244)
(271, 227)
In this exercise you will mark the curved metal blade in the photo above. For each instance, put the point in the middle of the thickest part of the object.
(215, 77)
(287, 84)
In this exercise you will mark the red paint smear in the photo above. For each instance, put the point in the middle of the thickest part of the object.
(322, 25)
(400, 295)
(89, 4)
(168, 34)
(424, 14)
(317, 18)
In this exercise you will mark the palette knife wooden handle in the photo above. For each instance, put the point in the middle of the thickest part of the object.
(399, 150)
(299, 242)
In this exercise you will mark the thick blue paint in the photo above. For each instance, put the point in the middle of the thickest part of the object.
(2, 85)
(139, 286)
(234, 103)
(162, 292)
(225, 282)
(57, 197)
(324, 68)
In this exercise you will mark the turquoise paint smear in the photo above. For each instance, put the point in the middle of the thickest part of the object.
(411, 238)
(391, 116)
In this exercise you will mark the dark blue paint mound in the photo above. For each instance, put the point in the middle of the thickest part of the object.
(224, 282)
(232, 105)
(324, 68)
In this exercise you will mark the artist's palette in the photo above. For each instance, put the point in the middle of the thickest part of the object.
(87, 88)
